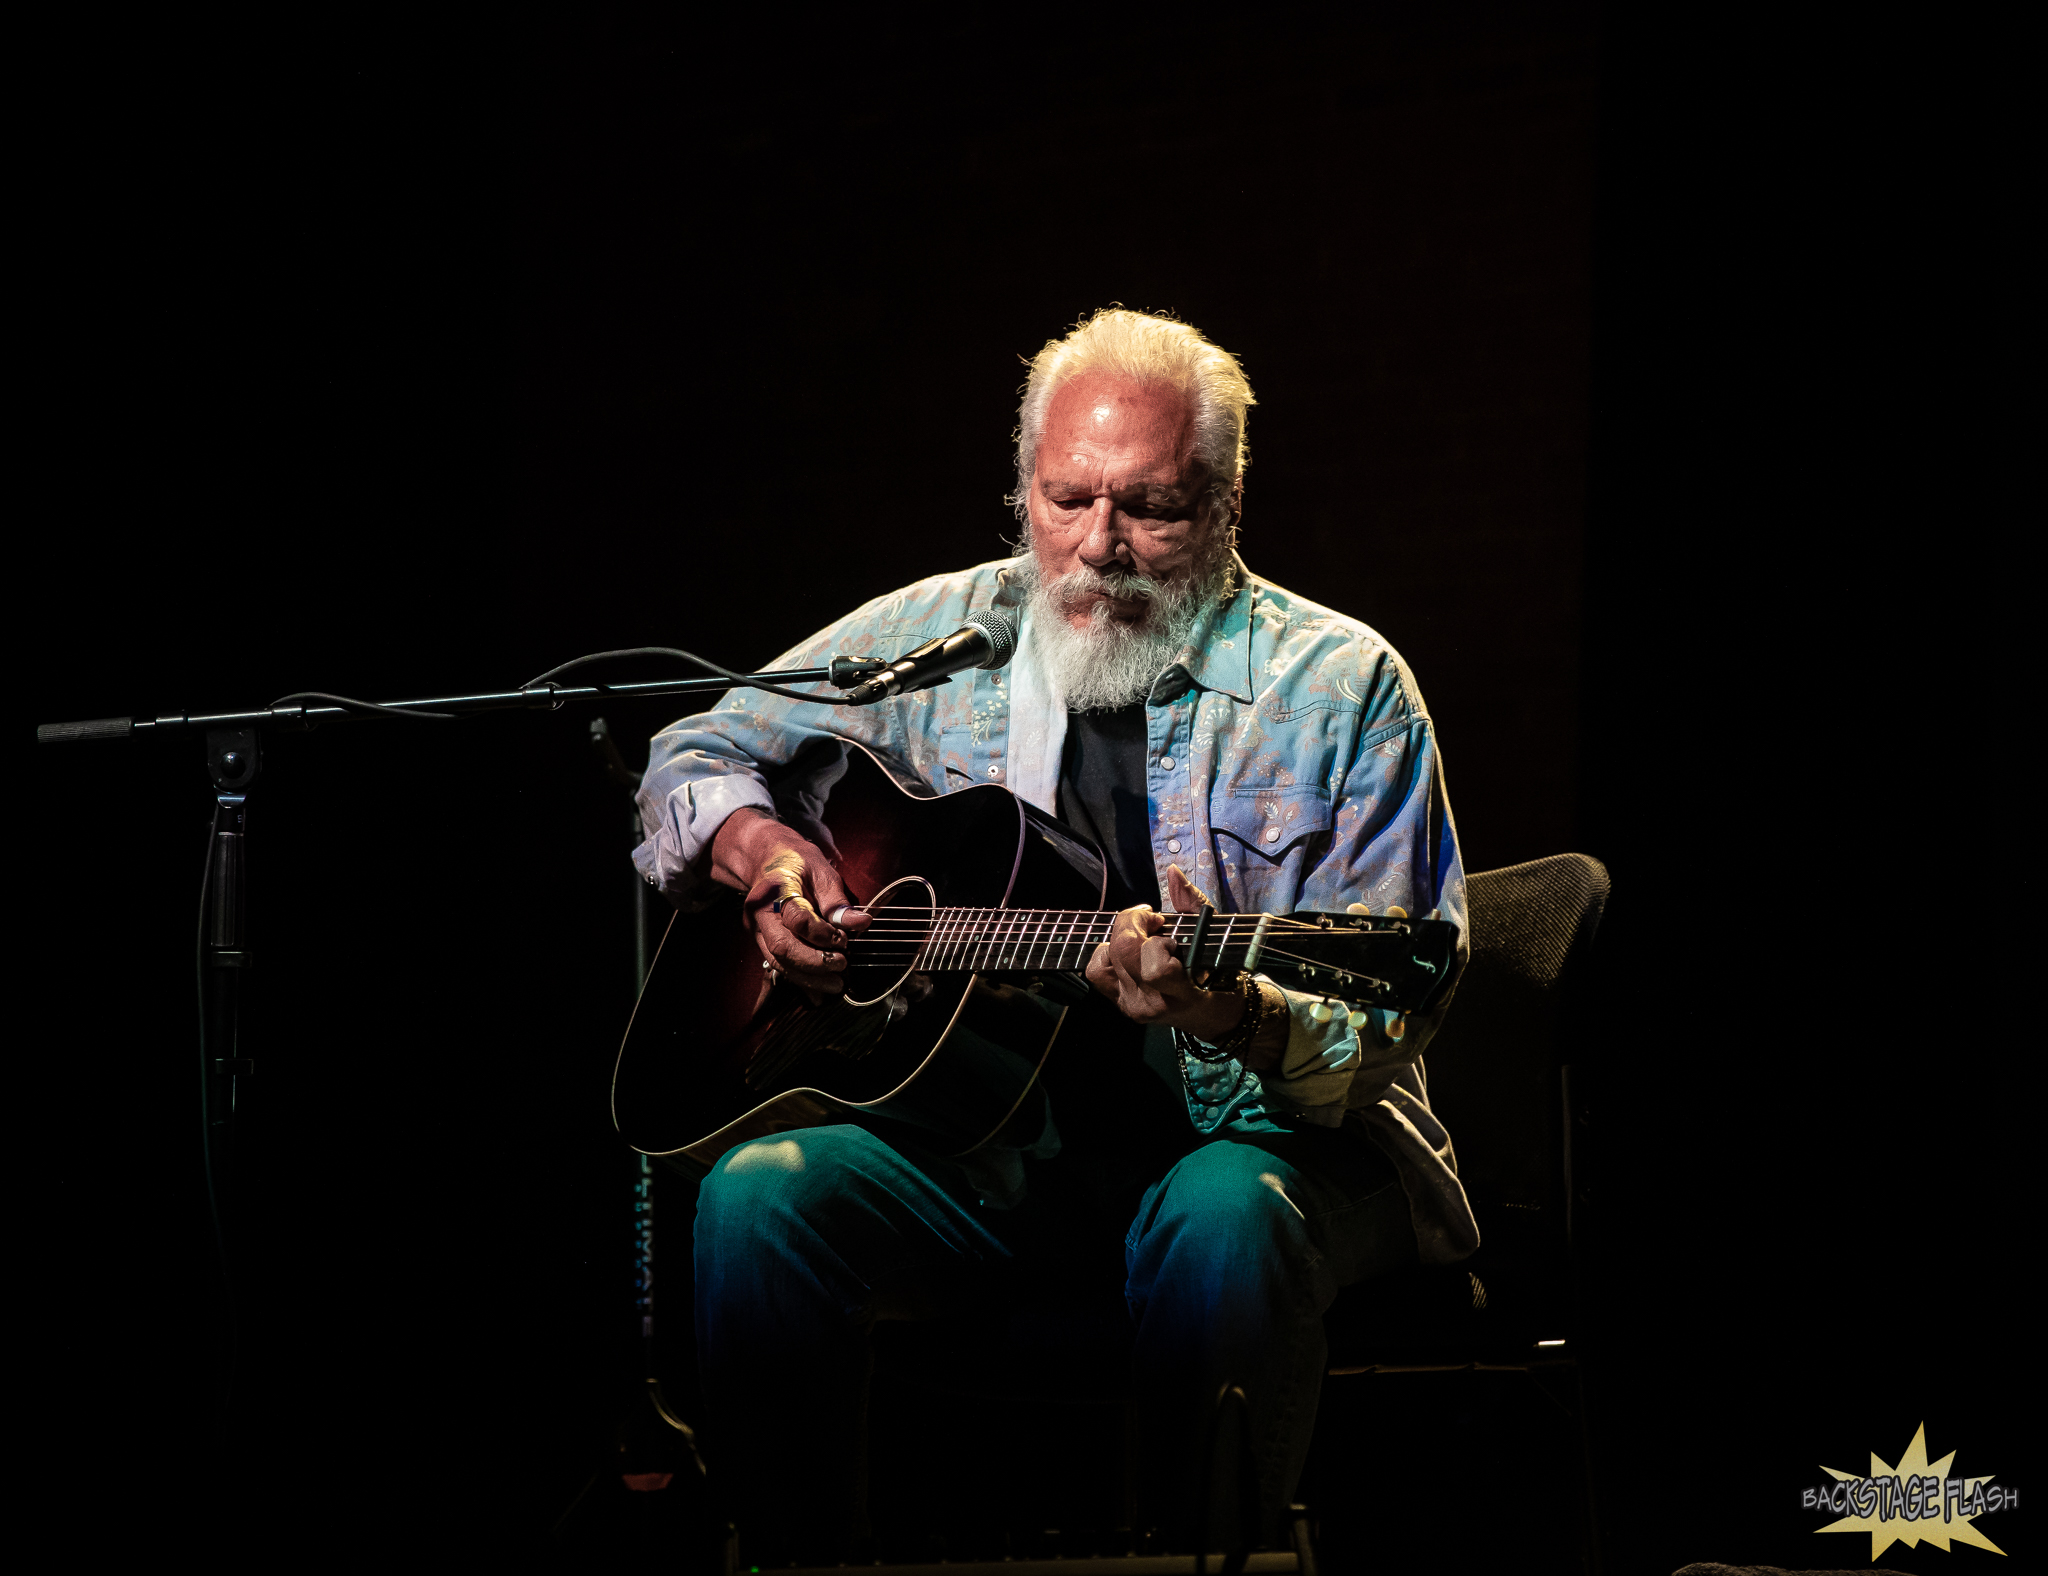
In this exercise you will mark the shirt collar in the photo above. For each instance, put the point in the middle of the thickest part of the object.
(1218, 655)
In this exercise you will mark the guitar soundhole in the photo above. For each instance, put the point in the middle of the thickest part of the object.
(880, 959)
(881, 986)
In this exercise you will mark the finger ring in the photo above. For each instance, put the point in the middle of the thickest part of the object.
(768, 965)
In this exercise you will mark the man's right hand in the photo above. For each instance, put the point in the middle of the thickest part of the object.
(759, 856)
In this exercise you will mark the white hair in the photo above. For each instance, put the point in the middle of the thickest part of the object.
(1111, 663)
(1151, 349)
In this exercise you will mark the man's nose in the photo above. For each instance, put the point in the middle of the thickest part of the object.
(1102, 544)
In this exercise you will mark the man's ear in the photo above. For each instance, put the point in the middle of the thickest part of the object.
(1230, 505)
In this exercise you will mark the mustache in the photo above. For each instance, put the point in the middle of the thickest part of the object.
(1124, 585)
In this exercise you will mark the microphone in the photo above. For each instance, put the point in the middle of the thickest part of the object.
(988, 639)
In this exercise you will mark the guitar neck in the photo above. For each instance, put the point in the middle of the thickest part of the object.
(1004, 940)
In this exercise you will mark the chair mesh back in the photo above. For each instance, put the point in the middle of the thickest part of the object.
(1533, 919)
(1492, 1068)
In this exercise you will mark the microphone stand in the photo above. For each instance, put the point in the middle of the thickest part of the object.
(650, 1455)
(219, 725)
(234, 758)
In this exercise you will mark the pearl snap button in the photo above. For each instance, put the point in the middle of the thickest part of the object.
(995, 771)
(1173, 845)
(1272, 834)
(1166, 763)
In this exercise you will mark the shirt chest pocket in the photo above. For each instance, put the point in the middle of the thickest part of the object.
(1271, 822)
(970, 726)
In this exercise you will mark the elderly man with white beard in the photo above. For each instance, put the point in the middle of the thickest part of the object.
(1229, 1158)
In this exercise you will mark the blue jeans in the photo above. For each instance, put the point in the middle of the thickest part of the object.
(803, 1241)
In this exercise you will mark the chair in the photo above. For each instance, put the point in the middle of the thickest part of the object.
(1505, 1095)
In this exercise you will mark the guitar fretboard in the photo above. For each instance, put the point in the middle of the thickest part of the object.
(1003, 940)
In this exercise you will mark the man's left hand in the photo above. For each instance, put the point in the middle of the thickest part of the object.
(1138, 969)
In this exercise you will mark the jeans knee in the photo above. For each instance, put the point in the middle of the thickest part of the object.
(1225, 1201)
(769, 1179)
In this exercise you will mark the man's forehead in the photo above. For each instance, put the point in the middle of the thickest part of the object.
(1143, 428)
(1108, 401)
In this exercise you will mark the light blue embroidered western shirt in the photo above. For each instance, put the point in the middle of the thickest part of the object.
(1290, 765)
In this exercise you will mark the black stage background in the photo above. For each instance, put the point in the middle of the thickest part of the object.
(1615, 373)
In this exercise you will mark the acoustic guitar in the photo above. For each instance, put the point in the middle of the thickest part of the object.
(985, 911)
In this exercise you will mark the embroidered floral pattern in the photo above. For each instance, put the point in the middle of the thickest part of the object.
(1309, 782)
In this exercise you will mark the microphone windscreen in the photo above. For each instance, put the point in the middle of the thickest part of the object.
(1000, 625)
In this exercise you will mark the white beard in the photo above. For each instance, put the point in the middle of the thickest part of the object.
(1111, 663)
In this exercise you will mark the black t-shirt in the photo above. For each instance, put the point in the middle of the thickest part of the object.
(1102, 793)
(1122, 1115)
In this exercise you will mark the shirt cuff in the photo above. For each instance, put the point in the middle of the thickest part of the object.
(1316, 1071)
(677, 857)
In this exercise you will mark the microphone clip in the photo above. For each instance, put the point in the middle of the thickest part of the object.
(986, 638)
(849, 671)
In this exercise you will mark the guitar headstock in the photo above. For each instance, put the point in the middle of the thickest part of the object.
(1358, 961)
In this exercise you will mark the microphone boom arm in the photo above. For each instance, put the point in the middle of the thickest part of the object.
(866, 679)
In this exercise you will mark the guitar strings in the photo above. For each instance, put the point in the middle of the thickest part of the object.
(991, 966)
(1018, 923)
(967, 936)
(1027, 944)
(1021, 920)
(897, 949)
(1100, 913)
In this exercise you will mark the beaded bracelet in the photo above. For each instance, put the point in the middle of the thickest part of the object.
(1247, 1030)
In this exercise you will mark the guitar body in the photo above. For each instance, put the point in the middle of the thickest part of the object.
(719, 1052)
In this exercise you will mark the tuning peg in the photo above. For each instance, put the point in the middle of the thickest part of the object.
(1396, 911)
(1358, 908)
(1322, 1012)
(1357, 1018)
(1396, 1027)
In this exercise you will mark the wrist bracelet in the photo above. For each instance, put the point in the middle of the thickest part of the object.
(1247, 1030)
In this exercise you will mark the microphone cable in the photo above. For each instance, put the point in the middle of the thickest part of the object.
(371, 708)
(687, 656)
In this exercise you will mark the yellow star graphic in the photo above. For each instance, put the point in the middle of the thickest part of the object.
(1879, 1507)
